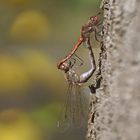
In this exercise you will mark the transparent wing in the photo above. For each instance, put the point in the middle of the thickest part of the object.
(80, 107)
(64, 122)
(75, 109)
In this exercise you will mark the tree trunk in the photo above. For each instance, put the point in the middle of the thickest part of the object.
(115, 108)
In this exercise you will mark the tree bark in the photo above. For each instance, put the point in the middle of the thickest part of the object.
(115, 108)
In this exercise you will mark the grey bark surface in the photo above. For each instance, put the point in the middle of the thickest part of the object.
(115, 108)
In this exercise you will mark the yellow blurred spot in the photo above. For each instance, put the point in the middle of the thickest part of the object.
(12, 75)
(29, 26)
(42, 69)
(21, 128)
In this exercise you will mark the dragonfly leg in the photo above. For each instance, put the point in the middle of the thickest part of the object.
(96, 34)
(72, 63)
(100, 23)
(79, 59)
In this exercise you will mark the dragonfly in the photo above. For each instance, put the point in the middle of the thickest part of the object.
(75, 109)
(90, 27)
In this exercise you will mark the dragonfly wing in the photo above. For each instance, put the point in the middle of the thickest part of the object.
(75, 110)
(80, 107)
(64, 121)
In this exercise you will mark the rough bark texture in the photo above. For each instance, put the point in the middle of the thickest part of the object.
(116, 113)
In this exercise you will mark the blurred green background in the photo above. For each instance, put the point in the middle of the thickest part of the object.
(34, 36)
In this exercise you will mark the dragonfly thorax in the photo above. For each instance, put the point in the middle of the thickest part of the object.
(72, 77)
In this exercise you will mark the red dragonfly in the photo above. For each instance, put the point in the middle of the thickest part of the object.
(87, 29)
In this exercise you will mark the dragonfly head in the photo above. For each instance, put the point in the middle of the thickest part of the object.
(95, 18)
(63, 66)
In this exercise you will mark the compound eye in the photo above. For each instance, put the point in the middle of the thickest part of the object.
(64, 67)
(93, 18)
